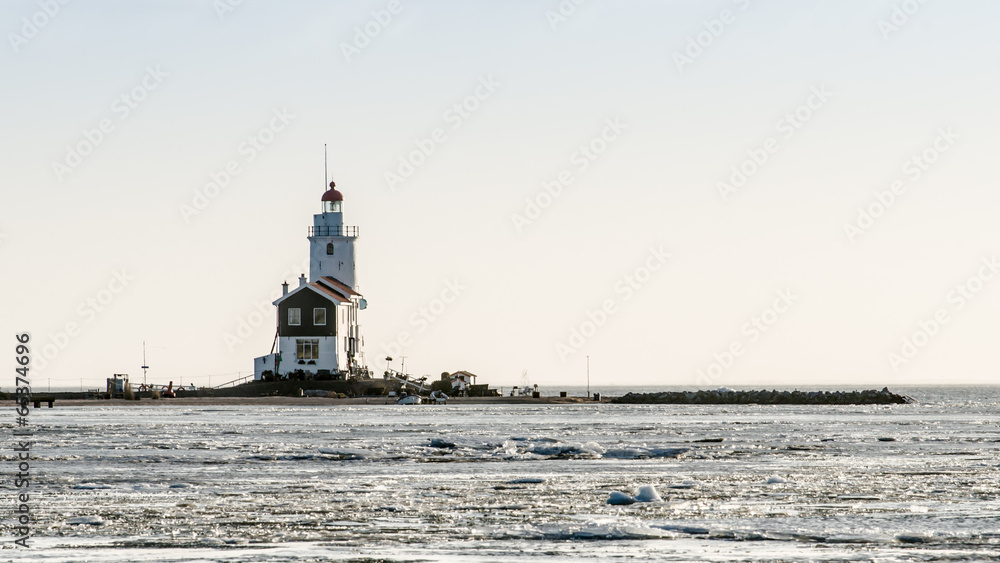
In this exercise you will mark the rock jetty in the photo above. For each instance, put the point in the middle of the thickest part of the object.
(731, 397)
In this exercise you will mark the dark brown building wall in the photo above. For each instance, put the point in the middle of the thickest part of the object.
(306, 301)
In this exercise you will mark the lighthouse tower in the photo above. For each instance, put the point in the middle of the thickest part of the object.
(331, 243)
(318, 331)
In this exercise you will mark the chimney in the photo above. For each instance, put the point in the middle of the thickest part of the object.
(284, 288)
(302, 280)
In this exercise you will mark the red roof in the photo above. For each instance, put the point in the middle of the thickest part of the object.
(336, 296)
(337, 285)
(332, 194)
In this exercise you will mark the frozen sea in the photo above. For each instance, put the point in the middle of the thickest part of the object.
(518, 483)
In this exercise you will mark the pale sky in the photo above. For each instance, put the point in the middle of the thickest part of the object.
(646, 111)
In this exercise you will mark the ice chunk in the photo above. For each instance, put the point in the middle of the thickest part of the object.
(775, 480)
(644, 453)
(89, 520)
(684, 529)
(668, 452)
(564, 450)
(647, 493)
(618, 499)
(344, 453)
(212, 542)
(684, 485)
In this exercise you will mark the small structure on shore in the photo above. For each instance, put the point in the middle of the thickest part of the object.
(116, 385)
(462, 381)
(463, 384)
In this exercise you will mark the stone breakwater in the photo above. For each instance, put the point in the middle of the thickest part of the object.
(731, 397)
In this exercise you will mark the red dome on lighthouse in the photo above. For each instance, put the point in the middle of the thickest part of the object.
(332, 194)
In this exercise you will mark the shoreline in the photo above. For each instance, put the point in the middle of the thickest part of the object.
(317, 401)
(278, 400)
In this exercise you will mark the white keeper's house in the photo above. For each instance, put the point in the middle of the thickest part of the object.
(318, 335)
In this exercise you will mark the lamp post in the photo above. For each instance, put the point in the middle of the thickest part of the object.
(144, 365)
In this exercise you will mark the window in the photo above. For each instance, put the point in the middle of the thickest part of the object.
(319, 316)
(329, 249)
(307, 349)
(295, 317)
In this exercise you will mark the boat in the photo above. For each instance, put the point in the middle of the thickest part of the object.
(409, 400)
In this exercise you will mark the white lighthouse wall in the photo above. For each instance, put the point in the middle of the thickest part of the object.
(332, 220)
(339, 266)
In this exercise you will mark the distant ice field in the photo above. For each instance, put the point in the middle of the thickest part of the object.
(519, 483)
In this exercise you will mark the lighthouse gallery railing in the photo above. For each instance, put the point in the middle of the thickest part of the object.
(341, 231)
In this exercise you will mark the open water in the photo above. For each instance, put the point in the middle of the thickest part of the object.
(517, 483)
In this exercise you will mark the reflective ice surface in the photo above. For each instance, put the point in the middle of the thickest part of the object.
(472, 483)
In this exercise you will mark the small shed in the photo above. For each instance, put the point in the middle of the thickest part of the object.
(461, 381)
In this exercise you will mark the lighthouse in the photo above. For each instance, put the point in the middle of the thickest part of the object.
(318, 335)
(331, 243)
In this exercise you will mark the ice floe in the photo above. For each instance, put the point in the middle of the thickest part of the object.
(85, 520)
(648, 493)
(618, 498)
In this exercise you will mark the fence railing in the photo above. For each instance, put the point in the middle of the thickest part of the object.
(234, 382)
(341, 231)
